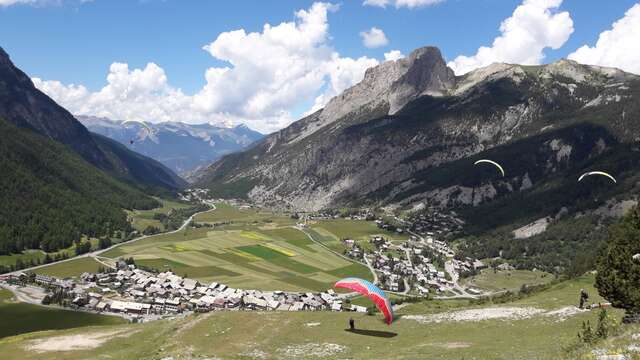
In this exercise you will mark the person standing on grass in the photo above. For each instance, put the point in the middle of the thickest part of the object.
(584, 296)
(352, 324)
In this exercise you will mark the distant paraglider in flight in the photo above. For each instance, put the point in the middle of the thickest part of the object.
(492, 163)
(142, 124)
(601, 173)
(371, 291)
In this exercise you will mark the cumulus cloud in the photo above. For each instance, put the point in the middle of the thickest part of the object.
(343, 73)
(269, 73)
(618, 47)
(374, 38)
(7, 3)
(411, 4)
(393, 55)
(533, 26)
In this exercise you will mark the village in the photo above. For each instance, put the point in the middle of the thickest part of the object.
(422, 265)
(141, 295)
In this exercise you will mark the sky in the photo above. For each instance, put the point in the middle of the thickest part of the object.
(268, 63)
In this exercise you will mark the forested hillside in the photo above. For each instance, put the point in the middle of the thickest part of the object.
(50, 196)
(27, 107)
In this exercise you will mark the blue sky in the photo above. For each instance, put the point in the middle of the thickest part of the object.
(75, 42)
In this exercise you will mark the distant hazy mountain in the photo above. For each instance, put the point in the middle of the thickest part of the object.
(60, 182)
(181, 147)
(25, 106)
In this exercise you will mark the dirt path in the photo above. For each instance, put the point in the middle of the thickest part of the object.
(75, 342)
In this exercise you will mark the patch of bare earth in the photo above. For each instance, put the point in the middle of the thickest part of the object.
(75, 342)
(308, 350)
(504, 313)
(496, 313)
(451, 345)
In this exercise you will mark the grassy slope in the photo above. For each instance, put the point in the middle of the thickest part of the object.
(18, 318)
(229, 335)
(507, 280)
(71, 268)
(144, 218)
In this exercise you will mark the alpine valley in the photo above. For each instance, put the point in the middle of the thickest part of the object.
(182, 147)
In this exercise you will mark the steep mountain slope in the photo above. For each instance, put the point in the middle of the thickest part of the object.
(50, 196)
(179, 146)
(410, 131)
(27, 107)
(136, 168)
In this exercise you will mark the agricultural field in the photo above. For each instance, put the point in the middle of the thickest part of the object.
(256, 250)
(236, 217)
(18, 318)
(542, 326)
(332, 232)
(141, 219)
(71, 268)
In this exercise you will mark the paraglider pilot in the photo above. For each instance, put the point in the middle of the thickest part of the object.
(352, 324)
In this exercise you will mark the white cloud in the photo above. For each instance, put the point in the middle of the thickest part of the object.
(15, 2)
(533, 26)
(393, 55)
(270, 72)
(343, 73)
(7, 3)
(618, 47)
(374, 38)
(411, 4)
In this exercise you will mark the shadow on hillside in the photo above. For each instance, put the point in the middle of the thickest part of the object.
(376, 333)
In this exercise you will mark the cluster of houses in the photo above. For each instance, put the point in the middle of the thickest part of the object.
(412, 262)
(435, 222)
(143, 294)
(197, 195)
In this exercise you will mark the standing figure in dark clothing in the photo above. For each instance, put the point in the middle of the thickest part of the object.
(584, 296)
(352, 324)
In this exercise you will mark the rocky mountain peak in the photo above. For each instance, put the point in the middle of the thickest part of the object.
(426, 74)
(390, 85)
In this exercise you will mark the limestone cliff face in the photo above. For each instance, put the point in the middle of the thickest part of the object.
(409, 133)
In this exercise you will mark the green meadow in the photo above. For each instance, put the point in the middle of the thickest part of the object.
(141, 219)
(18, 318)
(285, 335)
(507, 280)
(332, 232)
(71, 268)
(254, 249)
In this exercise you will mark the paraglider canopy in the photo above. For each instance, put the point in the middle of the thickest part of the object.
(492, 163)
(601, 173)
(371, 291)
(136, 122)
(142, 124)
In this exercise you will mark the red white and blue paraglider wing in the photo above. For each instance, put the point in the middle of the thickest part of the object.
(371, 291)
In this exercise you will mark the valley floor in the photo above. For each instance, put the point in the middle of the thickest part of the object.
(261, 250)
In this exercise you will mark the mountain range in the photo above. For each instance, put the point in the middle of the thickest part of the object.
(181, 147)
(409, 133)
(60, 182)
(27, 107)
